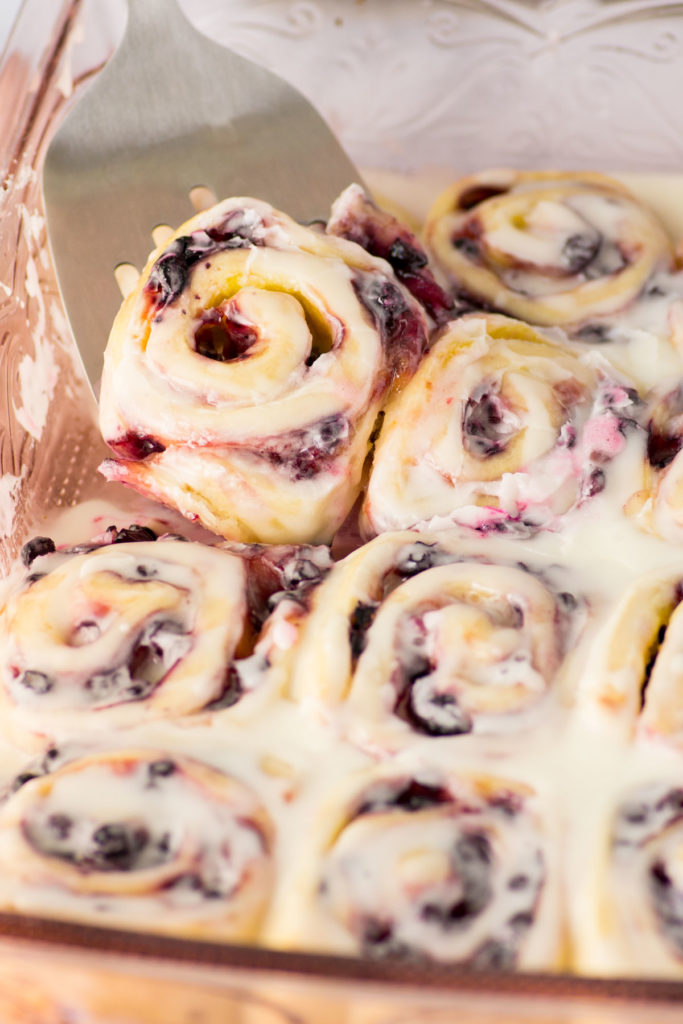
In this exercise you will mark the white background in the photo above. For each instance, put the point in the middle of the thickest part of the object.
(8, 12)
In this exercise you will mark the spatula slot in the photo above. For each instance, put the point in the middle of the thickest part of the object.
(126, 276)
(161, 234)
(202, 197)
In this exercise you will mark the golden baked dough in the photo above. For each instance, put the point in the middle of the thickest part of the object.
(429, 636)
(503, 427)
(244, 373)
(627, 919)
(550, 247)
(139, 839)
(422, 866)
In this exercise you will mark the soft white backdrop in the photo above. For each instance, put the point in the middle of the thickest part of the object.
(8, 12)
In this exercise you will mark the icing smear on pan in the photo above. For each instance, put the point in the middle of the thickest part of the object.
(49, 442)
(9, 491)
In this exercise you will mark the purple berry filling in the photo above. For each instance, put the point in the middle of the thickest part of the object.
(639, 821)
(402, 332)
(468, 246)
(223, 338)
(609, 260)
(171, 272)
(232, 691)
(477, 194)
(484, 429)
(580, 250)
(472, 859)
(37, 682)
(402, 796)
(158, 648)
(304, 453)
(664, 431)
(377, 941)
(667, 901)
(361, 619)
(135, 447)
(24, 777)
(662, 446)
(594, 334)
(35, 548)
(594, 484)
(135, 533)
(385, 302)
(426, 710)
(282, 572)
(113, 846)
(162, 769)
(381, 234)
(408, 796)
(419, 557)
(433, 713)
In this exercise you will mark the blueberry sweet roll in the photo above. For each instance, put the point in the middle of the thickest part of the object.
(632, 680)
(281, 580)
(502, 428)
(139, 840)
(244, 374)
(355, 216)
(658, 506)
(629, 920)
(553, 248)
(427, 868)
(102, 637)
(420, 636)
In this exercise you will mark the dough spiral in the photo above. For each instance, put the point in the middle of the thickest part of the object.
(630, 920)
(503, 427)
(549, 247)
(139, 839)
(244, 374)
(424, 636)
(632, 680)
(657, 506)
(118, 635)
(422, 867)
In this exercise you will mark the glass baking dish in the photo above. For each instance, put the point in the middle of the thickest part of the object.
(418, 92)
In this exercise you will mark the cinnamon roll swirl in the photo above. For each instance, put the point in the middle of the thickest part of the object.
(114, 635)
(244, 374)
(280, 583)
(634, 922)
(355, 216)
(503, 427)
(550, 247)
(141, 840)
(632, 680)
(428, 868)
(657, 507)
(422, 636)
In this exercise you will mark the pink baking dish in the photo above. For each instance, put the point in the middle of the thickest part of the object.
(454, 85)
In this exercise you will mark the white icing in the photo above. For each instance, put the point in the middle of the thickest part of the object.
(580, 762)
(37, 380)
(9, 492)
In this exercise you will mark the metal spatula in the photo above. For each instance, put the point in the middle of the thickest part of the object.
(171, 111)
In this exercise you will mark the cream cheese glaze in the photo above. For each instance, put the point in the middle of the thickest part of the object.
(293, 757)
(244, 373)
(92, 634)
(176, 845)
(502, 426)
(571, 759)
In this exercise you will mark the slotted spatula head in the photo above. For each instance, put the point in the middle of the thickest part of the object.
(171, 111)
